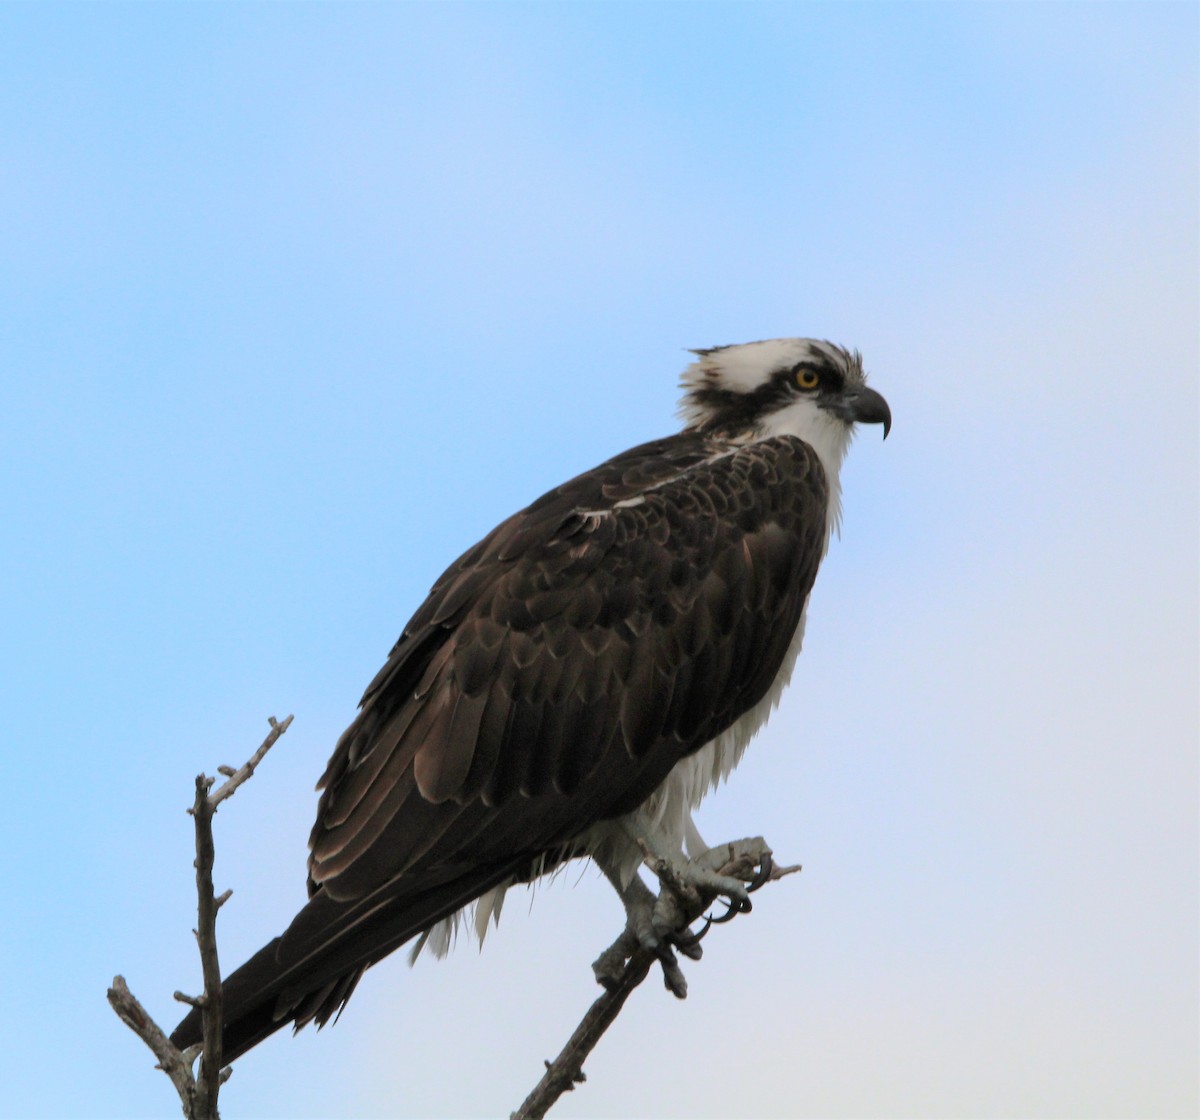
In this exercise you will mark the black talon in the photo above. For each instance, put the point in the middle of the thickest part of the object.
(685, 942)
(688, 943)
(730, 913)
(764, 873)
(688, 940)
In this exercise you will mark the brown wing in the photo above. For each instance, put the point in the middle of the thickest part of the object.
(554, 676)
(561, 668)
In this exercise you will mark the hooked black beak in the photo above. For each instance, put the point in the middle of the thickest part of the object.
(862, 406)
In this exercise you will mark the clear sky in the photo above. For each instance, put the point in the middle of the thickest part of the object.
(296, 302)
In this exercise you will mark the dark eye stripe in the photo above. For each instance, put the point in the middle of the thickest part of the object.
(829, 377)
(729, 411)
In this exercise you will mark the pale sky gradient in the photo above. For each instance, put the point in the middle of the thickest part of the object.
(298, 301)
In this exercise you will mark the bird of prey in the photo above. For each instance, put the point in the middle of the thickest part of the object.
(575, 683)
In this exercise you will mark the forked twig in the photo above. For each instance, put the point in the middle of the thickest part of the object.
(197, 1094)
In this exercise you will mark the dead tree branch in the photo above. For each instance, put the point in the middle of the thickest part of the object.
(566, 1071)
(197, 1094)
(170, 1060)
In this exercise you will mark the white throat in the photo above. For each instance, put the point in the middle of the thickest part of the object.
(826, 434)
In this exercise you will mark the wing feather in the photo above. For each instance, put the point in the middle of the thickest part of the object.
(561, 667)
(442, 763)
(556, 673)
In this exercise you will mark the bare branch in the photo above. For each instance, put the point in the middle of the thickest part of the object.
(237, 777)
(208, 1081)
(198, 1095)
(566, 1071)
(170, 1060)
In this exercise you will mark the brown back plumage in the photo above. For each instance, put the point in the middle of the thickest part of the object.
(555, 675)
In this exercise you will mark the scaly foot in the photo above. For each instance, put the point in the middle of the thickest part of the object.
(661, 925)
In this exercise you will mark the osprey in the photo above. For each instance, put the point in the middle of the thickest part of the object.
(575, 683)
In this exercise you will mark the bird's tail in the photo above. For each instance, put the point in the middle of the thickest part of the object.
(309, 973)
(252, 1008)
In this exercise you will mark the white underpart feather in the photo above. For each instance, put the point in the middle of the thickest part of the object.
(828, 436)
(669, 809)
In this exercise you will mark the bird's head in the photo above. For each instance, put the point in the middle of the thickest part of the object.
(802, 387)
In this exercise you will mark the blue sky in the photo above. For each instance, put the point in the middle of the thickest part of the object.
(300, 300)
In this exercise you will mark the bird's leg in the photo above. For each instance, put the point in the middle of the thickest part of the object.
(661, 924)
(642, 931)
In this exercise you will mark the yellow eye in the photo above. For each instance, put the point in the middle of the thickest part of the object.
(807, 378)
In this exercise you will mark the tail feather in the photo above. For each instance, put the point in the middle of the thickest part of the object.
(309, 973)
(249, 1001)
